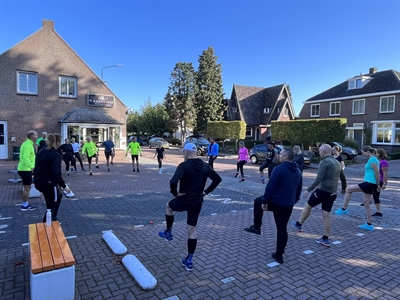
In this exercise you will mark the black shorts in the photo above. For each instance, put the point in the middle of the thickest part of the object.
(191, 205)
(26, 177)
(135, 157)
(368, 187)
(90, 158)
(108, 154)
(322, 197)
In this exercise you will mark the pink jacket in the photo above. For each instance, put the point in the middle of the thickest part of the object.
(243, 154)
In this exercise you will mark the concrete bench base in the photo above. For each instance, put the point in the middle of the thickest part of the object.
(56, 284)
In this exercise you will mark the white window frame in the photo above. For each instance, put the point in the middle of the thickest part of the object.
(267, 110)
(251, 131)
(392, 131)
(352, 84)
(358, 113)
(32, 80)
(330, 108)
(387, 111)
(311, 110)
(286, 112)
(67, 95)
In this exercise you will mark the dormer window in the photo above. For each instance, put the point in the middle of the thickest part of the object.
(267, 110)
(234, 109)
(358, 82)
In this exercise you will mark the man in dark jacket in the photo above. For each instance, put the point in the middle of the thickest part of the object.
(192, 176)
(281, 193)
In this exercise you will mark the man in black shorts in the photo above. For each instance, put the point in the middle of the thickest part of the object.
(327, 181)
(192, 176)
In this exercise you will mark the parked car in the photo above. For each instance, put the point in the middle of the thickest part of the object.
(347, 152)
(153, 142)
(258, 154)
(200, 142)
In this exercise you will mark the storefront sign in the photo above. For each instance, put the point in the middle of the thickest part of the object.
(100, 100)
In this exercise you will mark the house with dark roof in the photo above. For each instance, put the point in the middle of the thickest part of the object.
(46, 86)
(258, 106)
(368, 102)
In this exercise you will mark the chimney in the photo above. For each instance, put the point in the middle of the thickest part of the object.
(373, 70)
(48, 24)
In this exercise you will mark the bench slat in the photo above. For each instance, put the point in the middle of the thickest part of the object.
(54, 248)
(34, 250)
(66, 251)
(47, 260)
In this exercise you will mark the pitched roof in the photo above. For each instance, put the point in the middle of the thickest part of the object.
(85, 115)
(253, 100)
(383, 81)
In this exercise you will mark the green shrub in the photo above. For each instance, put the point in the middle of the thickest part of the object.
(395, 155)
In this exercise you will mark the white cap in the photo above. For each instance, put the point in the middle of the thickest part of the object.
(190, 147)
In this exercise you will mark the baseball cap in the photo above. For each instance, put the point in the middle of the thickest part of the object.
(190, 147)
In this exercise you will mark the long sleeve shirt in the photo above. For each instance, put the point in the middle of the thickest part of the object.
(26, 156)
(90, 148)
(328, 175)
(243, 154)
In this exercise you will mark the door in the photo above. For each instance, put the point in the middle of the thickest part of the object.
(3, 140)
(358, 136)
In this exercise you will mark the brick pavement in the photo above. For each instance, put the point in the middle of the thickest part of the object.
(363, 267)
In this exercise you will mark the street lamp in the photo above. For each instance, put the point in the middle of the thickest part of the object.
(119, 65)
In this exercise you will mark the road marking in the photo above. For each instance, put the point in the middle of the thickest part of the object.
(71, 237)
(336, 242)
(139, 194)
(3, 226)
(6, 218)
(233, 210)
(308, 252)
(137, 226)
(97, 197)
(385, 199)
(106, 231)
(273, 264)
(359, 234)
(214, 214)
(228, 279)
(172, 298)
(120, 195)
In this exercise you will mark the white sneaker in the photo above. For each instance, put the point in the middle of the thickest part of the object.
(160, 171)
(69, 195)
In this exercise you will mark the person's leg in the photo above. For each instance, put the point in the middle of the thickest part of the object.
(349, 190)
(73, 162)
(26, 177)
(237, 169)
(269, 170)
(90, 164)
(258, 214)
(137, 163)
(305, 213)
(97, 160)
(58, 197)
(66, 161)
(367, 206)
(78, 156)
(242, 163)
(281, 217)
(377, 201)
(327, 222)
(48, 193)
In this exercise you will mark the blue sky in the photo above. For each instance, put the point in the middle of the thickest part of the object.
(311, 45)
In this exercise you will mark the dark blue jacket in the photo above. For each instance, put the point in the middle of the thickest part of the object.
(284, 186)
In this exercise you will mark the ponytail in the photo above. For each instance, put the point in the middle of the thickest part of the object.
(52, 140)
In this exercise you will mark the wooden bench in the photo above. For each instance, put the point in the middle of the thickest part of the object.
(52, 264)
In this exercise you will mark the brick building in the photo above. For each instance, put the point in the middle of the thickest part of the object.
(369, 102)
(46, 86)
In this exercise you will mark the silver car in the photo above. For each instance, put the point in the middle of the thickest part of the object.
(153, 142)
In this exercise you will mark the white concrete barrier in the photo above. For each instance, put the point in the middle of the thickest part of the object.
(114, 243)
(139, 272)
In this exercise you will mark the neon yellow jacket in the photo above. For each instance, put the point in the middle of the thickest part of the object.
(26, 156)
(135, 148)
(90, 148)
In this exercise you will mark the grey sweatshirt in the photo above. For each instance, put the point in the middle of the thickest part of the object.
(328, 175)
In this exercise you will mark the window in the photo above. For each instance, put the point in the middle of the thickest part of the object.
(249, 132)
(387, 104)
(358, 107)
(384, 133)
(267, 110)
(358, 83)
(334, 109)
(352, 84)
(27, 83)
(397, 133)
(67, 87)
(286, 112)
(234, 109)
(315, 110)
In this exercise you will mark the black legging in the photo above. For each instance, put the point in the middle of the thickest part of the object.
(281, 217)
(159, 159)
(69, 158)
(239, 166)
(52, 195)
(376, 194)
(211, 161)
(78, 156)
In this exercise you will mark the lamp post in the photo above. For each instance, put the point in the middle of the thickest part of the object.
(119, 65)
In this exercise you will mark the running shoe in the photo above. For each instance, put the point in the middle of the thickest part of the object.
(366, 227)
(27, 208)
(342, 212)
(294, 225)
(137, 170)
(252, 229)
(323, 242)
(90, 173)
(71, 169)
(241, 180)
(278, 258)
(377, 214)
(165, 235)
(112, 163)
(187, 263)
(262, 180)
(97, 167)
(108, 170)
(236, 175)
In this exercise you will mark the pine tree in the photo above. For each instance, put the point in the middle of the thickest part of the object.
(179, 100)
(209, 91)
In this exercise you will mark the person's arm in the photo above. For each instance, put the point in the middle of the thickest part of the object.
(173, 183)
(342, 165)
(385, 170)
(343, 181)
(374, 167)
(216, 180)
(298, 190)
(56, 171)
(271, 186)
(83, 149)
(263, 166)
(320, 175)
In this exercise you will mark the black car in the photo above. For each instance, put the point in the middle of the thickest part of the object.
(259, 154)
(347, 152)
(200, 142)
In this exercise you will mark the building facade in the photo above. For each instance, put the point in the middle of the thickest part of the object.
(369, 102)
(46, 86)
